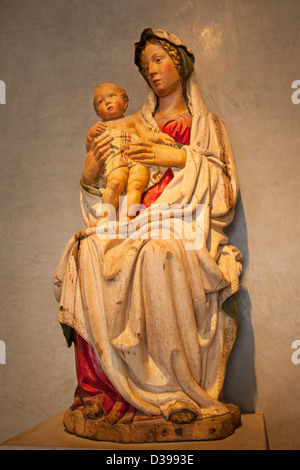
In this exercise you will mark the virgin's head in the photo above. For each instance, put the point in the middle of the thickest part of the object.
(164, 61)
(162, 67)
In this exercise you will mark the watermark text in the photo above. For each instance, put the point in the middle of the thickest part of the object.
(2, 352)
(2, 92)
(159, 221)
(296, 354)
(296, 95)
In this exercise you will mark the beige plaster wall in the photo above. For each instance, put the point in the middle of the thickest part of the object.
(52, 55)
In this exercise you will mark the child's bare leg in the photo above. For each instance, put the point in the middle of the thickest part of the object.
(137, 182)
(116, 183)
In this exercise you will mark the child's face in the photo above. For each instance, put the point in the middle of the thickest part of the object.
(109, 102)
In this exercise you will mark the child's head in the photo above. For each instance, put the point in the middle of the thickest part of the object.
(110, 101)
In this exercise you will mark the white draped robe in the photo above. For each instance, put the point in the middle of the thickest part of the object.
(151, 306)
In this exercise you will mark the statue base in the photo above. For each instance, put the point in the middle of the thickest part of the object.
(152, 429)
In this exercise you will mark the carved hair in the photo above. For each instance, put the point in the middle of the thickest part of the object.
(118, 87)
(169, 48)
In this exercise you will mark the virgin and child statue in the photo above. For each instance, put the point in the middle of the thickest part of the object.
(148, 298)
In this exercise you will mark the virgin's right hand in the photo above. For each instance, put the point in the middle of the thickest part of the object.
(99, 152)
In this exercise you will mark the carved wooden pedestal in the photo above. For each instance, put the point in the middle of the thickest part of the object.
(155, 429)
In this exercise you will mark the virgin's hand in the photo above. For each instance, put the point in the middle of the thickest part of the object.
(147, 153)
(99, 152)
(101, 147)
(143, 152)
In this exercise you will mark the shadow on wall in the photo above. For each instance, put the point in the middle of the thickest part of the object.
(240, 381)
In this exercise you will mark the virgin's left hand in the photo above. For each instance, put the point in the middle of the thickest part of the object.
(147, 153)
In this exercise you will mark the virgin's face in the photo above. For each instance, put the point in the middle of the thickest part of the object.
(160, 70)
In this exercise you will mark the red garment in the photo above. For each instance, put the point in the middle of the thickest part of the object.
(178, 128)
(93, 385)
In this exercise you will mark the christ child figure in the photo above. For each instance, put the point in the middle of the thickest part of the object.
(119, 172)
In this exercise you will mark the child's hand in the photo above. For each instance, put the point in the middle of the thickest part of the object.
(101, 127)
(165, 139)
